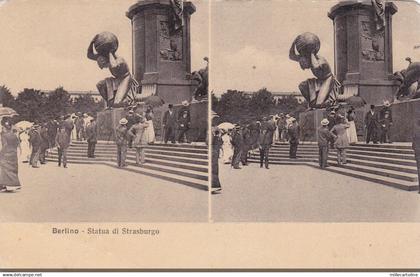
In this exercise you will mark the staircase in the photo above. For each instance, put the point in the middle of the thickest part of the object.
(387, 164)
(185, 164)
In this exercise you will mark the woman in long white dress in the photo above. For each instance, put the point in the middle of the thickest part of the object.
(25, 146)
(227, 148)
(351, 131)
(150, 129)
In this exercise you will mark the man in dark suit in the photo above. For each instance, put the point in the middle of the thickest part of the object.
(91, 137)
(268, 128)
(372, 125)
(294, 132)
(169, 124)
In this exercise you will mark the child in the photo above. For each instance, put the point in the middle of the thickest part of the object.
(325, 137)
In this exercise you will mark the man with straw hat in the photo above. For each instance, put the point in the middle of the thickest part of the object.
(122, 142)
(325, 138)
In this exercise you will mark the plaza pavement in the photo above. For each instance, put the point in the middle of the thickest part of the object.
(299, 193)
(99, 193)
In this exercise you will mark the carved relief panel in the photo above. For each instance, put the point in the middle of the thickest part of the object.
(170, 42)
(372, 42)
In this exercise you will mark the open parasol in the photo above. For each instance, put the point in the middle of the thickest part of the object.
(226, 126)
(6, 111)
(22, 125)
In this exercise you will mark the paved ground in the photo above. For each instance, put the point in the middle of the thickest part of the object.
(99, 193)
(303, 194)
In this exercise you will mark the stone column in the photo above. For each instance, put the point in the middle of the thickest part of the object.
(161, 56)
(363, 54)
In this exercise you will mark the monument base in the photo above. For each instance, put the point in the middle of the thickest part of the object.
(403, 117)
(108, 120)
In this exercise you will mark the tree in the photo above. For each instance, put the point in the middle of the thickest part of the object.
(58, 103)
(262, 102)
(6, 97)
(87, 104)
(233, 106)
(30, 105)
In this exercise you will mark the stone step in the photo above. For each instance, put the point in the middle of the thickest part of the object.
(131, 155)
(399, 184)
(394, 161)
(378, 171)
(379, 154)
(285, 161)
(169, 145)
(159, 174)
(366, 153)
(163, 148)
(113, 152)
(402, 146)
(398, 168)
(180, 165)
(355, 148)
(167, 169)
(384, 150)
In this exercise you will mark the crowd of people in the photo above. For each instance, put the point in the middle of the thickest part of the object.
(338, 131)
(33, 142)
(239, 141)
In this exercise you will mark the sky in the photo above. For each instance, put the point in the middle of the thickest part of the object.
(258, 33)
(43, 43)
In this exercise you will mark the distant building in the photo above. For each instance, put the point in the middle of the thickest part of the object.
(76, 94)
(281, 95)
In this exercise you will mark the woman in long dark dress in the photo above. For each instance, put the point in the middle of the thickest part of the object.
(9, 179)
(216, 145)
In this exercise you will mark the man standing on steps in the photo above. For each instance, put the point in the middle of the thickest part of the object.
(169, 124)
(121, 141)
(325, 138)
(131, 120)
(62, 140)
(268, 128)
(416, 144)
(91, 136)
(293, 138)
(371, 125)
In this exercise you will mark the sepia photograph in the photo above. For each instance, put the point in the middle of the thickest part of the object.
(104, 111)
(314, 111)
(209, 135)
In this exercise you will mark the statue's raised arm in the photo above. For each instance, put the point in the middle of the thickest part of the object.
(91, 52)
(292, 52)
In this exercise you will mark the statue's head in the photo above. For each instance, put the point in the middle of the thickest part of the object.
(103, 62)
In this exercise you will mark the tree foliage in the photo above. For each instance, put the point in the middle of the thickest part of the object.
(87, 104)
(6, 97)
(36, 106)
(236, 106)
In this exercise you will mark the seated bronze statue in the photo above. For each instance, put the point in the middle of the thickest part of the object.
(322, 91)
(121, 87)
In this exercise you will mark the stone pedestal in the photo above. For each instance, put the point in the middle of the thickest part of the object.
(107, 121)
(309, 123)
(161, 55)
(363, 54)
